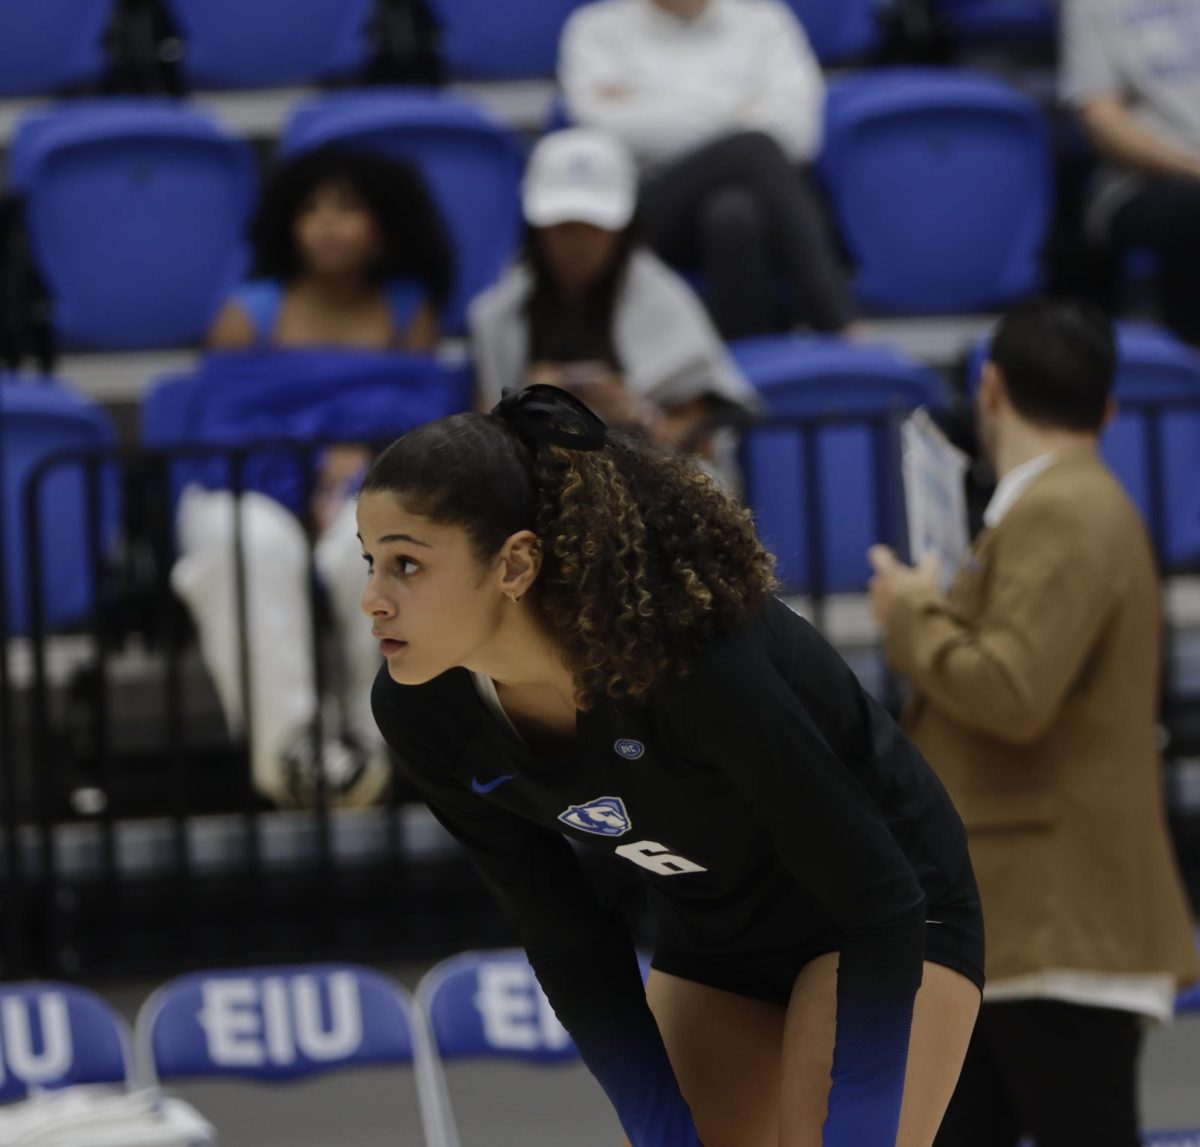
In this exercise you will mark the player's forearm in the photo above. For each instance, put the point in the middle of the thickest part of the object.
(597, 994)
(879, 973)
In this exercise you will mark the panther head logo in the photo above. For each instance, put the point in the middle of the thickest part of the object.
(605, 816)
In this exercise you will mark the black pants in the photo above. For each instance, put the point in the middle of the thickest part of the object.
(1166, 217)
(1064, 1074)
(738, 209)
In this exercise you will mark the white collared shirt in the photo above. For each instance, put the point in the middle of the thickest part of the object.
(1148, 994)
(1012, 486)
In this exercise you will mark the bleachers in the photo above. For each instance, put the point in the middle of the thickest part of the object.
(941, 184)
(908, 155)
(52, 45)
(136, 212)
(271, 43)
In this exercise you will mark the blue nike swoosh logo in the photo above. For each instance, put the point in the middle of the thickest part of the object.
(487, 786)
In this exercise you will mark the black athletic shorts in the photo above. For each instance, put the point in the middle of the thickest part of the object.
(953, 938)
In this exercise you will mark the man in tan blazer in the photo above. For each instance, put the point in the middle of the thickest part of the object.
(1035, 686)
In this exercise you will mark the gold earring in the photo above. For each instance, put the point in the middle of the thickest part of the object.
(513, 598)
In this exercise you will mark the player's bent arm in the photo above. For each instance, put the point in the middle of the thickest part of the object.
(581, 953)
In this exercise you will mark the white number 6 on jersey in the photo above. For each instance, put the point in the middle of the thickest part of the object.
(657, 859)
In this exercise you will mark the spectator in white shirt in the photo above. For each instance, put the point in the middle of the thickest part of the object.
(721, 103)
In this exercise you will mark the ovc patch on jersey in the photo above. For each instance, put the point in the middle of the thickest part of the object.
(628, 749)
(605, 816)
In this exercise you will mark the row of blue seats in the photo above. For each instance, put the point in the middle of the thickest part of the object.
(280, 1024)
(56, 44)
(941, 183)
(821, 477)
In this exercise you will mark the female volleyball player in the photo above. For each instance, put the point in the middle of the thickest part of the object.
(581, 641)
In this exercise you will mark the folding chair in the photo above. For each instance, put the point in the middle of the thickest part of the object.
(136, 211)
(941, 183)
(822, 494)
(483, 1005)
(274, 1024)
(55, 1035)
(270, 43)
(471, 163)
(51, 45)
(38, 421)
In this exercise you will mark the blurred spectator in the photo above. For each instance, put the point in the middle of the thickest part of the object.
(721, 103)
(352, 254)
(1132, 69)
(589, 308)
(1035, 697)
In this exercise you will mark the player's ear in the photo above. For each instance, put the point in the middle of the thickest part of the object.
(519, 564)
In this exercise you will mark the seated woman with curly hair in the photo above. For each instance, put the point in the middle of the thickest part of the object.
(351, 253)
(582, 642)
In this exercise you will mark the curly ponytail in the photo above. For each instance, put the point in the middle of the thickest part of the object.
(645, 558)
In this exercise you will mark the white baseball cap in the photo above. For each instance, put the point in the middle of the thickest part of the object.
(580, 176)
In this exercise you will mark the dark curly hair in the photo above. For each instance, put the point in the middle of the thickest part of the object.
(645, 557)
(414, 235)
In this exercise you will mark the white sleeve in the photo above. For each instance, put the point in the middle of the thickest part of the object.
(488, 327)
(1088, 68)
(790, 102)
(670, 349)
(600, 93)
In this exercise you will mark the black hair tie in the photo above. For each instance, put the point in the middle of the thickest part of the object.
(546, 415)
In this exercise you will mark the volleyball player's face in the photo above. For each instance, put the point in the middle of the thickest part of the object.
(429, 599)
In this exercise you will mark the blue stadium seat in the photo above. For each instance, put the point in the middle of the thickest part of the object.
(847, 470)
(136, 213)
(270, 43)
(471, 163)
(38, 421)
(1154, 367)
(848, 30)
(483, 40)
(274, 1024)
(942, 186)
(56, 1035)
(50, 45)
(986, 23)
(484, 1005)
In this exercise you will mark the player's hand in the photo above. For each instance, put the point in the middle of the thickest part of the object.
(894, 581)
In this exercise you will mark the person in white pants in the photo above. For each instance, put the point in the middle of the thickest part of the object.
(351, 253)
(282, 678)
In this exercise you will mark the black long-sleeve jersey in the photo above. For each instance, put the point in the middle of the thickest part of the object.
(763, 796)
